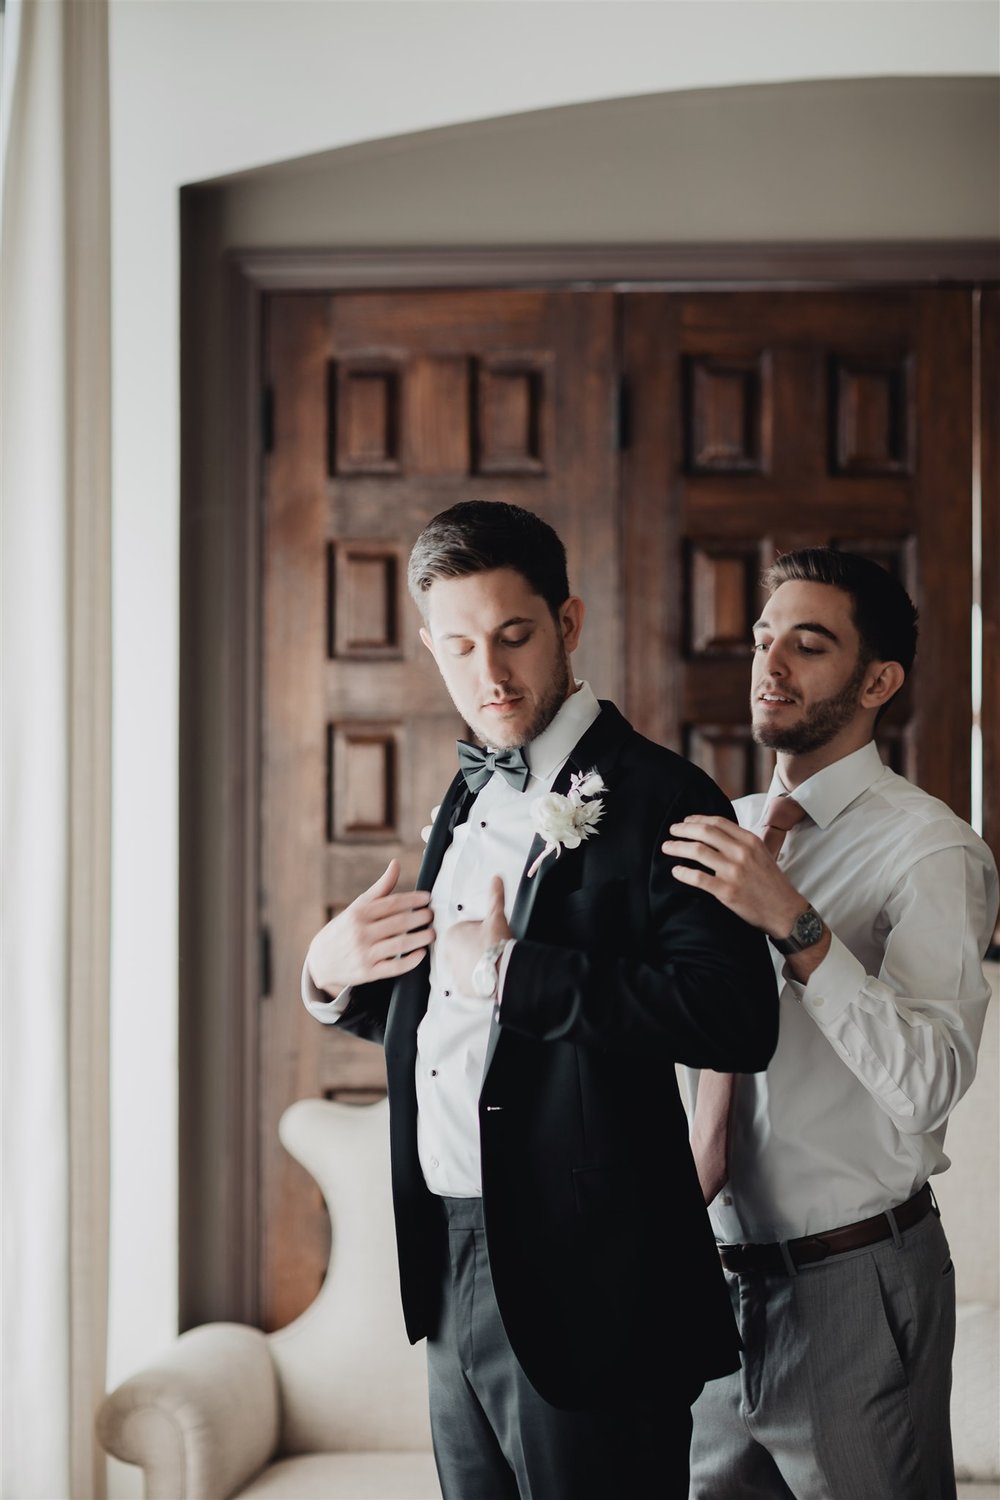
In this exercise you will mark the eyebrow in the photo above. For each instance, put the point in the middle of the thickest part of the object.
(809, 625)
(463, 635)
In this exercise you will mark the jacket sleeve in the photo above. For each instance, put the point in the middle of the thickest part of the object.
(360, 1009)
(699, 987)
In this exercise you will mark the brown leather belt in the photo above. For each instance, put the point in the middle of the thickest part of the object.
(771, 1260)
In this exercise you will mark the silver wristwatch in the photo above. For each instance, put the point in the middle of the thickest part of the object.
(485, 979)
(807, 929)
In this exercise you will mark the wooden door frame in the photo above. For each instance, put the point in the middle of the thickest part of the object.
(221, 492)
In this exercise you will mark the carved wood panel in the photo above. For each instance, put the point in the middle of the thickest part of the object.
(872, 415)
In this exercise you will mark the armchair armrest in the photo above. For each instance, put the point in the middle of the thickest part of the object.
(202, 1420)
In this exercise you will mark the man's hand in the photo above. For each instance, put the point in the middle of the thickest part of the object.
(464, 944)
(379, 936)
(743, 874)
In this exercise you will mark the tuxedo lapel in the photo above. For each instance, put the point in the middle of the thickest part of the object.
(450, 813)
(410, 992)
(596, 750)
(530, 885)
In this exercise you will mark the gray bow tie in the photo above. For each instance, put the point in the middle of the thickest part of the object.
(477, 766)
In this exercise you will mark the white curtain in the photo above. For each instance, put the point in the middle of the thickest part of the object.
(55, 472)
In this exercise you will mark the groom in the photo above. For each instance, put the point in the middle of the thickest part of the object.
(533, 996)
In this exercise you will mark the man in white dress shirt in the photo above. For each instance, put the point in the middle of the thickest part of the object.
(532, 996)
(879, 904)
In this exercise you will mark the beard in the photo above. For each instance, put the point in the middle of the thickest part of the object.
(819, 724)
(550, 700)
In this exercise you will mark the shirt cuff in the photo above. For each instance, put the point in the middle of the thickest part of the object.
(833, 985)
(326, 1008)
(503, 967)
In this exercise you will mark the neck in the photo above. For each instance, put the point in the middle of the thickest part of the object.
(795, 769)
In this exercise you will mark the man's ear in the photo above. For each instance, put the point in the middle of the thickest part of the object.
(571, 622)
(425, 636)
(883, 680)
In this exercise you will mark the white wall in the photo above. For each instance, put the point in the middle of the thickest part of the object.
(824, 160)
(201, 88)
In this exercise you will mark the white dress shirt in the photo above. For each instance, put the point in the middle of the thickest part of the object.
(453, 1036)
(878, 1047)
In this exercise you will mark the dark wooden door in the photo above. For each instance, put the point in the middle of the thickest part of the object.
(763, 421)
(386, 409)
(755, 422)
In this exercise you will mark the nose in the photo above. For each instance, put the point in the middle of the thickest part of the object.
(773, 660)
(496, 671)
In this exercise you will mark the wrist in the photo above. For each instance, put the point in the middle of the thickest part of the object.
(783, 920)
(805, 930)
(486, 971)
(802, 966)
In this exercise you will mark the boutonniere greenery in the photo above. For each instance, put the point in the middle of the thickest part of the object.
(564, 821)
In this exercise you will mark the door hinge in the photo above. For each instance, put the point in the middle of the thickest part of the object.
(265, 963)
(267, 419)
(624, 415)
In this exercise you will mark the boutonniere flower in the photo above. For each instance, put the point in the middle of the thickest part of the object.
(564, 821)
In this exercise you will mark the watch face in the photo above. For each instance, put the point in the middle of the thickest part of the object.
(484, 977)
(808, 928)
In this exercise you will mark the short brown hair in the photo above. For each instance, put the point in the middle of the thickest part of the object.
(884, 614)
(477, 536)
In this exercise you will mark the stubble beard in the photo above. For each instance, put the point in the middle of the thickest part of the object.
(820, 724)
(548, 705)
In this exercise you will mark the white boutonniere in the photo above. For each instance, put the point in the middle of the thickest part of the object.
(565, 821)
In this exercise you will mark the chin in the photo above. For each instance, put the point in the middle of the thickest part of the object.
(769, 735)
(502, 736)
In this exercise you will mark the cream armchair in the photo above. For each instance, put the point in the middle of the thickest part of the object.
(333, 1406)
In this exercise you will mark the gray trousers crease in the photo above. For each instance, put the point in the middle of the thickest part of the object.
(845, 1383)
(495, 1438)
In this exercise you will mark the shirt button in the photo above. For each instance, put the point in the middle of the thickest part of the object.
(434, 1072)
(459, 907)
(435, 1162)
(482, 825)
(727, 1202)
(818, 1000)
(447, 994)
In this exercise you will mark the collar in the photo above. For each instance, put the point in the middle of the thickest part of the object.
(546, 753)
(825, 795)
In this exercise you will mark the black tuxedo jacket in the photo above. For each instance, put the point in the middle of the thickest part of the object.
(602, 1256)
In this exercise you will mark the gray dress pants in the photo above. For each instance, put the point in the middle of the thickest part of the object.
(494, 1436)
(845, 1385)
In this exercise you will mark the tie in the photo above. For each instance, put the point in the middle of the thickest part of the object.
(716, 1091)
(477, 766)
(781, 814)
